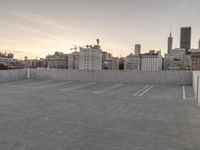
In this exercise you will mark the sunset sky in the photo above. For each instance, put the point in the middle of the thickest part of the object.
(35, 28)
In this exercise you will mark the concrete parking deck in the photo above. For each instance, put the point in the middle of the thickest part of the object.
(55, 115)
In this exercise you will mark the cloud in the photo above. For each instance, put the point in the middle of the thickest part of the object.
(39, 19)
(42, 20)
(30, 29)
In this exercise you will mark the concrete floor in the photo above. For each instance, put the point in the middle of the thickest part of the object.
(52, 115)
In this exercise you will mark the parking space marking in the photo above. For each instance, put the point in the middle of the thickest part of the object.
(107, 89)
(78, 87)
(52, 85)
(138, 92)
(144, 92)
(41, 82)
(31, 83)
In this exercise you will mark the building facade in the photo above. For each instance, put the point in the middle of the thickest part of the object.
(73, 60)
(151, 61)
(132, 62)
(115, 63)
(35, 63)
(106, 56)
(58, 61)
(111, 64)
(137, 49)
(187, 62)
(6, 58)
(195, 58)
(121, 63)
(175, 60)
(90, 58)
(185, 41)
(106, 61)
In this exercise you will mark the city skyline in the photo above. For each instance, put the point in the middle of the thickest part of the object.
(36, 28)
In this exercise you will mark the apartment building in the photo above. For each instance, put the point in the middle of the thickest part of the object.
(90, 58)
(151, 61)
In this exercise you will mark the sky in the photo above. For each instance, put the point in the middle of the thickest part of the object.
(36, 28)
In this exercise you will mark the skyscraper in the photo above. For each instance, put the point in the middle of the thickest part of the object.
(170, 43)
(137, 49)
(185, 41)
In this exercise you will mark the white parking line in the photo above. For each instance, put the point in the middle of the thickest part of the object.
(78, 87)
(108, 88)
(184, 95)
(41, 82)
(141, 94)
(52, 85)
(29, 83)
(138, 92)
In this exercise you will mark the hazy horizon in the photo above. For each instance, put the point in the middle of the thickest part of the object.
(36, 28)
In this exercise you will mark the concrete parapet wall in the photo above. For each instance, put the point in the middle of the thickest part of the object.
(12, 75)
(146, 77)
(157, 77)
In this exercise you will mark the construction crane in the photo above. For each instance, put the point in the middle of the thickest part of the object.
(75, 47)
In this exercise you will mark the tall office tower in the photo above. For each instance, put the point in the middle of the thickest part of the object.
(170, 43)
(137, 49)
(185, 41)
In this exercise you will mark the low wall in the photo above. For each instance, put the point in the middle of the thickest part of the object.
(12, 75)
(157, 77)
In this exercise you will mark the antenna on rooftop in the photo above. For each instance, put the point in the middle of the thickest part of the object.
(170, 30)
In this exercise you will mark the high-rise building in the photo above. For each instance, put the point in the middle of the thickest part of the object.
(90, 58)
(137, 49)
(170, 44)
(185, 41)
(151, 61)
